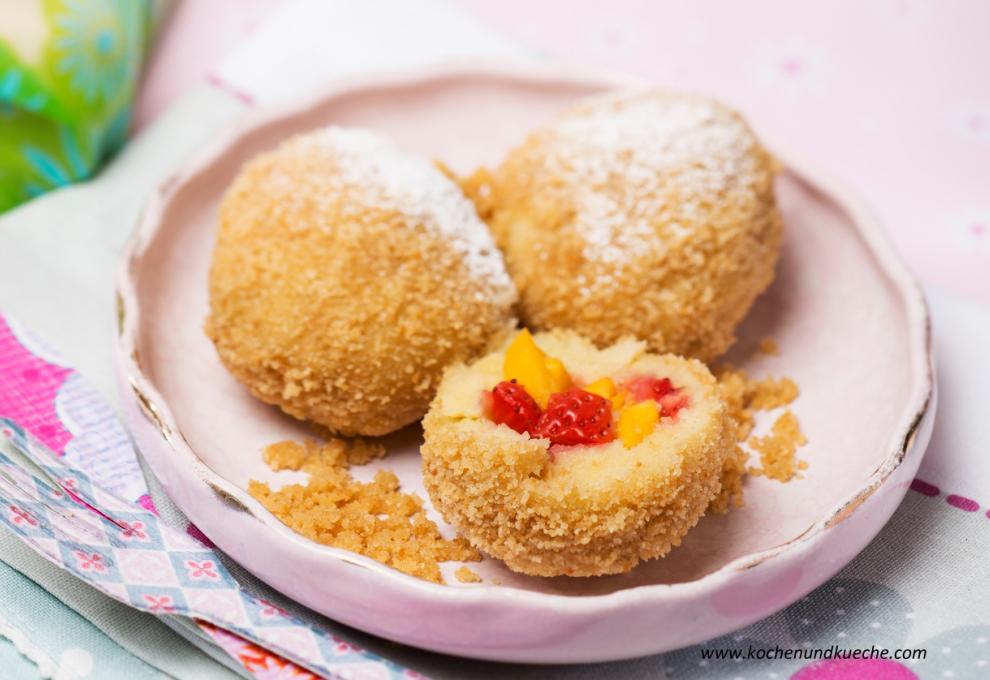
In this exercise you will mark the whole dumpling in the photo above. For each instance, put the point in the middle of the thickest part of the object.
(347, 274)
(645, 213)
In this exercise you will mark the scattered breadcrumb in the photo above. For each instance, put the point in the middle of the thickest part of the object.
(466, 575)
(771, 393)
(777, 449)
(769, 346)
(362, 452)
(743, 396)
(359, 452)
(374, 518)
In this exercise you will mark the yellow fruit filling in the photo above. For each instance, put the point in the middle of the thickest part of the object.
(529, 366)
(637, 421)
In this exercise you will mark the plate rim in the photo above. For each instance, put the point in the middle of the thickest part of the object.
(138, 387)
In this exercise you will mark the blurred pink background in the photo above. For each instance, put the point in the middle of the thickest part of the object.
(891, 97)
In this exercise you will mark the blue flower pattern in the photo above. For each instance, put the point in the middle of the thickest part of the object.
(99, 45)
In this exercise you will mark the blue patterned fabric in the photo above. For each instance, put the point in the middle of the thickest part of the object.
(41, 637)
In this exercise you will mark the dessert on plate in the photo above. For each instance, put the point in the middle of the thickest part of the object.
(560, 458)
(355, 286)
(644, 213)
(347, 274)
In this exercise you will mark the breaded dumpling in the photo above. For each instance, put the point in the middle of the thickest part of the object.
(644, 213)
(347, 274)
(612, 468)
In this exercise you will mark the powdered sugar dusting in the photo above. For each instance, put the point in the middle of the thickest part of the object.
(391, 179)
(636, 160)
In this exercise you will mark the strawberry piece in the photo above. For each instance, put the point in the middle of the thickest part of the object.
(646, 387)
(510, 404)
(661, 390)
(577, 417)
(673, 402)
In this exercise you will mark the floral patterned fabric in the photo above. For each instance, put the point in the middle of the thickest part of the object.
(68, 71)
(120, 547)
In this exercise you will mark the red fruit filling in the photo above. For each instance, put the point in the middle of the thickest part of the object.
(661, 390)
(577, 417)
(671, 404)
(645, 387)
(510, 404)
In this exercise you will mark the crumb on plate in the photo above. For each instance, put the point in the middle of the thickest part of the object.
(373, 518)
(769, 347)
(466, 575)
(777, 450)
(771, 393)
(742, 397)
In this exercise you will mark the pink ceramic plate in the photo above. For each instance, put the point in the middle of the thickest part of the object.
(851, 325)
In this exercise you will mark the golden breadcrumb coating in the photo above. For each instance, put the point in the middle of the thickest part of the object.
(373, 519)
(346, 275)
(591, 510)
(644, 213)
(730, 493)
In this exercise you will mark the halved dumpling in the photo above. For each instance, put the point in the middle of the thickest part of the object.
(590, 484)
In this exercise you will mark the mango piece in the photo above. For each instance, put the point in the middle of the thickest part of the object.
(539, 374)
(637, 422)
(560, 380)
(603, 387)
(526, 364)
(619, 400)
